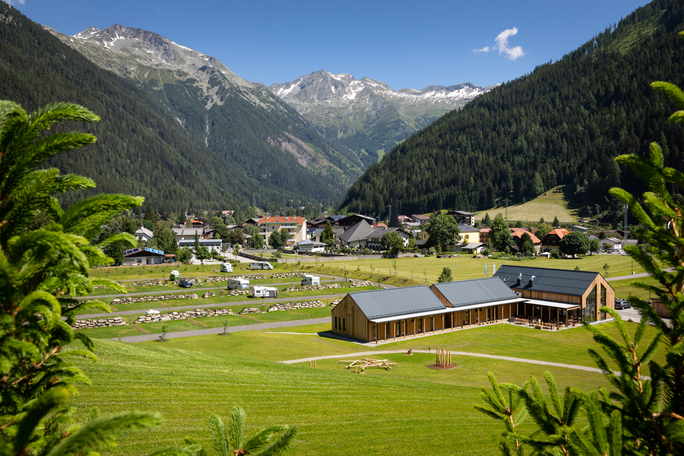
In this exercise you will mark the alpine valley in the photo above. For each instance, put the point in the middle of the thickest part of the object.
(240, 121)
(369, 116)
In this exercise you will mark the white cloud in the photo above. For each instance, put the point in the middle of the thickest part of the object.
(16, 2)
(511, 53)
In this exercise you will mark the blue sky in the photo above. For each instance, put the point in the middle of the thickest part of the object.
(407, 44)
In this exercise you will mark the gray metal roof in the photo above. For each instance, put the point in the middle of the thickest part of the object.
(396, 301)
(357, 232)
(469, 292)
(561, 281)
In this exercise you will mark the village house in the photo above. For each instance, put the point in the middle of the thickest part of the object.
(517, 234)
(422, 219)
(294, 227)
(310, 246)
(356, 236)
(143, 256)
(215, 245)
(466, 218)
(351, 220)
(143, 234)
(184, 234)
(552, 240)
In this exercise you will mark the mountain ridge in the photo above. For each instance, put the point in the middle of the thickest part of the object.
(240, 120)
(366, 115)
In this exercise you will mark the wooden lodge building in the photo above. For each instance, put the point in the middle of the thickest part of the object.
(575, 295)
(553, 296)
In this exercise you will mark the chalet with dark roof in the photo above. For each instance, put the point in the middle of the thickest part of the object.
(572, 295)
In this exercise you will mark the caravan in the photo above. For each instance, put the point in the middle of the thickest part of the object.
(308, 279)
(265, 292)
(261, 265)
(226, 267)
(238, 284)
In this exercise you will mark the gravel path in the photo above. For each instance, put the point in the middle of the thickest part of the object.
(204, 332)
(457, 353)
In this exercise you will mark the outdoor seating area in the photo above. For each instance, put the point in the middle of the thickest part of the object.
(553, 325)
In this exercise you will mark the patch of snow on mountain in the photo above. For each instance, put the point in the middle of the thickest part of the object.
(182, 47)
(354, 88)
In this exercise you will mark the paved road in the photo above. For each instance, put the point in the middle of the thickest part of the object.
(204, 332)
(457, 353)
(254, 302)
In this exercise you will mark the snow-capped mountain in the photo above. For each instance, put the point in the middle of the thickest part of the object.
(236, 118)
(367, 115)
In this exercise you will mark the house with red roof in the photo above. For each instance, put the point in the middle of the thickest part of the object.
(552, 240)
(294, 226)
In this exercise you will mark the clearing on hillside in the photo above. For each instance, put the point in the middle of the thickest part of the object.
(548, 205)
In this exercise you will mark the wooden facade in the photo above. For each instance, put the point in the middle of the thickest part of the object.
(597, 295)
(524, 302)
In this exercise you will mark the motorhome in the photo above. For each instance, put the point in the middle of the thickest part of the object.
(265, 292)
(308, 279)
(261, 265)
(226, 267)
(238, 283)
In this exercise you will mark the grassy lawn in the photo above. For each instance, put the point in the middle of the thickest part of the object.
(426, 270)
(409, 410)
(567, 346)
(548, 205)
(624, 288)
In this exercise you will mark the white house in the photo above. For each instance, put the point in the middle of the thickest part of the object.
(309, 245)
(143, 234)
(212, 244)
(143, 256)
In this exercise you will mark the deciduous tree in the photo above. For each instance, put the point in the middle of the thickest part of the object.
(443, 231)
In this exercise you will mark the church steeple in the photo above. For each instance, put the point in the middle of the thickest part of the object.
(394, 216)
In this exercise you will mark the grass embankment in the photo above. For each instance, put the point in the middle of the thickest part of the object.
(409, 410)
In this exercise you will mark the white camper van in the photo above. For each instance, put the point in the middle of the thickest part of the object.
(261, 265)
(226, 267)
(265, 292)
(308, 279)
(238, 284)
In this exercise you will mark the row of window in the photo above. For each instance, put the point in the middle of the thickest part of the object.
(341, 323)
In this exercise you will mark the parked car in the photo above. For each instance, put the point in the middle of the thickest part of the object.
(621, 304)
(185, 283)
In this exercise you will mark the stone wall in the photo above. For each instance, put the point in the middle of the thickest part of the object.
(295, 305)
(312, 287)
(152, 298)
(184, 315)
(98, 323)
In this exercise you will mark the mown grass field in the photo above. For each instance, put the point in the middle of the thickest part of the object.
(548, 205)
(427, 270)
(409, 410)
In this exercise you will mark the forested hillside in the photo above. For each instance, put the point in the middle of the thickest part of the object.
(561, 124)
(141, 149)
(238, 120)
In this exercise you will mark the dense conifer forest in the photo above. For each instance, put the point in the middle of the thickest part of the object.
(562, 124)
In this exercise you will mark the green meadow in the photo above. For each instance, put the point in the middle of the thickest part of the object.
(406, 411)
